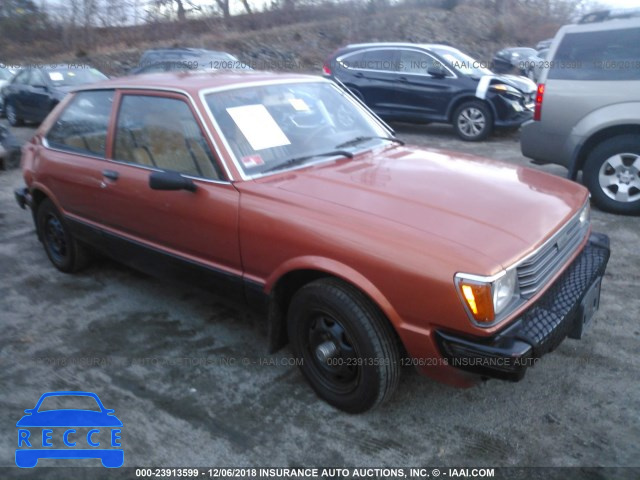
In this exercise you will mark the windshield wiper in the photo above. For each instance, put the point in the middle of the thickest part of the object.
(297, 160)
(355, 141)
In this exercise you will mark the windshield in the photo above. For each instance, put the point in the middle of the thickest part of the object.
(5, 73)
(271, 125)
(68, 77)
(463, 63)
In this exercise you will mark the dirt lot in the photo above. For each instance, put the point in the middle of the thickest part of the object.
(188, 374)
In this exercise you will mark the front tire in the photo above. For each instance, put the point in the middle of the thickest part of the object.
(12, 115)
(64, 251)
(473, 121)
(349, 352)
(612, 175)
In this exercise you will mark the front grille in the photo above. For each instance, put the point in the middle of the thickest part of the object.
(534, 272)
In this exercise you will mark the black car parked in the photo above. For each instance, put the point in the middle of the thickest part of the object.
(33, 92)
(184, 59)
(511, 59)
(432, 83)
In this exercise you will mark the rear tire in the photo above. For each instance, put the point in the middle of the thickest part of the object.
(349, 351)
(64, 251)
(612, 175)
(473, 121)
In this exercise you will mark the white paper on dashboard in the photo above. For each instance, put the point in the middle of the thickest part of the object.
(56, 76)
(258, 126)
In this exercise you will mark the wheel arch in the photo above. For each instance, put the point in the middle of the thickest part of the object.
(596, 138)
(283, 284)
(38, 195)
(454, 105)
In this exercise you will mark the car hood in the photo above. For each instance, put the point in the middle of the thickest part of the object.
(69, 418)
(523, 84)
(499, 210)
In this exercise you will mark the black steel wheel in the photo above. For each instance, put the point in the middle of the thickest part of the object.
(64, 251)
(348, 349)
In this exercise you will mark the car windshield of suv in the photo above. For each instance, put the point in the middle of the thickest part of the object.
(65, 77)
(462, 62)
(276, 126)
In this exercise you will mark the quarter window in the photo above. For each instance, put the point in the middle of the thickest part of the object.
(162, 133)
(83, 125)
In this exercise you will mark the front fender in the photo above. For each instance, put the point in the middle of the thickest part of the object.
(339, 270)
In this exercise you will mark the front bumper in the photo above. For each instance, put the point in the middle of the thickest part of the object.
(23, 197)
(557, 314)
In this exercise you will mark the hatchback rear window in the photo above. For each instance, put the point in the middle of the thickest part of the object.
(606, 55)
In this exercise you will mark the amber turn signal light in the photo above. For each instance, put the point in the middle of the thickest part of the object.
(479, 300)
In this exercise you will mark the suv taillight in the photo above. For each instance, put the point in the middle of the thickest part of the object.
(537, 113)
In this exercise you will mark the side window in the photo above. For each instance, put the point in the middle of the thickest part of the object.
(162, 133)
(21, 78)
(382, 60)
(412, 61)
(605, 55)
(83, 125)
(371, 60)
(36, 78)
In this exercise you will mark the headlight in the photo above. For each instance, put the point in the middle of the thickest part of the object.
(585, 214)
(485, 298)
(503, 88)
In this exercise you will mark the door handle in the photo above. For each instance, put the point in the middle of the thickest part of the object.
(402, 79)
(358, 75)
(111, 175)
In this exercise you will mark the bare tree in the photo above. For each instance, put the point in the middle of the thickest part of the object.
(247, 7)
(223, 5)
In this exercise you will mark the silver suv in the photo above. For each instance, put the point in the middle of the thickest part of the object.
(587, 114)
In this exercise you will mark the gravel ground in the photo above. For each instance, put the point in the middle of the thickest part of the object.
(188, 374)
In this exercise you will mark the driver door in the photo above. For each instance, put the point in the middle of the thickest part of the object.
(160, 132)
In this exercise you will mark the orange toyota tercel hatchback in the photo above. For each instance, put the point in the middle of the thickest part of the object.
(284, 190)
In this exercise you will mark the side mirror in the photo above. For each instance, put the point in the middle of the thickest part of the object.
(170, 181)
(437, 71)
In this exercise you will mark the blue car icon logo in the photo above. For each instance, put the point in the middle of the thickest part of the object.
(69, 433)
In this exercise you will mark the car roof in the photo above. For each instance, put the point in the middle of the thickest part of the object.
(427, 46)
(605, 15)
(609, 24)
(194, 81)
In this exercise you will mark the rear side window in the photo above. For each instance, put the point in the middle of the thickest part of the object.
(82, 127)
(381, 60)
(606, 55)
(162, 133)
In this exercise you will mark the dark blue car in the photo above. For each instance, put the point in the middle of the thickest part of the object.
(33, 92)
(69, 433)
(425, 83)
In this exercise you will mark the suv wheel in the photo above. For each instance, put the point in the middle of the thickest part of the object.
(473, 121)
(612, 174)
(349, 352)
(64, 251)
(12, 116)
